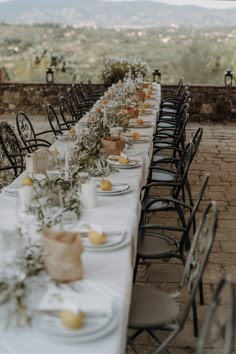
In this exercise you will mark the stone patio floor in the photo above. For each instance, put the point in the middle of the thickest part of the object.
(217, 156)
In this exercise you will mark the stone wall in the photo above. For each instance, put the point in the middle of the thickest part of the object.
(213, 103)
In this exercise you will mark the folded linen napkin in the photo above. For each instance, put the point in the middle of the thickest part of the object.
(56, 299)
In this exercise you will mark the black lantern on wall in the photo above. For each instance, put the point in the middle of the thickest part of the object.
(229, 77)
(156, 76)
(49, 75)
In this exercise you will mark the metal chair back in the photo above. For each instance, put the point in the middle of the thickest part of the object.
(67, 112)
(28, 135)
(198, 254)
(53, 120)
(25, 129)
(12, 147)
(218, 326)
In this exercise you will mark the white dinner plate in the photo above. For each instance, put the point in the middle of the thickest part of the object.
(114, 243)
(107, 194)
(116, 189)
(144, 125)
(104, 330)
(141, 140)
(131, 164)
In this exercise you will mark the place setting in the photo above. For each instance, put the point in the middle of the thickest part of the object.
(137, 138)
(96, 238)
(122, 161)
(108, 188)
(75, 314)
(140, 123)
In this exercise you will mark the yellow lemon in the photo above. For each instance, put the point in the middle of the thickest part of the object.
(96, 238)
(140, 122)
(135, 136)
(27, 181)
(54, 152)
(72, 131)
(142, 110)
(123, 160)
(105, 185)
(72, 320)
(98, 110)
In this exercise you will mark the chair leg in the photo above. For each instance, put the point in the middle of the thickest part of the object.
(154, 336)
(135, 268)
(132, 346)
(195, 319)
(201, 293)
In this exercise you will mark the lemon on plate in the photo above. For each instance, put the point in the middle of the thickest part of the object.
(71, 319)
(105, 185)
(96, 238)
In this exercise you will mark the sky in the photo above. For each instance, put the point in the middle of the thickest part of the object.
(220, 4)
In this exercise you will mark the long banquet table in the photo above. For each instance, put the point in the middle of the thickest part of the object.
(110, 273)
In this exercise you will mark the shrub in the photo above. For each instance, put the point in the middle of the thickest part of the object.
(116, 68)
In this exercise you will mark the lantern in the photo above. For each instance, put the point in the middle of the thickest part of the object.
(49, 75)
(229, 77)
(156, 76)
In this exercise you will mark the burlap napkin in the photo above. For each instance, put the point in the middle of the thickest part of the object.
(63, 255)
(113, 145)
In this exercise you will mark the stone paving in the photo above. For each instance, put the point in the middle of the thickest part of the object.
(216, 155)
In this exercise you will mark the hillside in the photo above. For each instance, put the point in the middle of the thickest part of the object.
(79, 13)
(200, 55)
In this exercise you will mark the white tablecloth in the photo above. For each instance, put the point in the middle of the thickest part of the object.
(110, 272)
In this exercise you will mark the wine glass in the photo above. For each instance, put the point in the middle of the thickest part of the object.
(52, 206)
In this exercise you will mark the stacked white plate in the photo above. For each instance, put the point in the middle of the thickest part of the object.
(131, 164)
(115, 240)
(133, 124)
(100, 320)
(116, 189)
(143, 139)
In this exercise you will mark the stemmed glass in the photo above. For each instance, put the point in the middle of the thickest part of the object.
(52, 206)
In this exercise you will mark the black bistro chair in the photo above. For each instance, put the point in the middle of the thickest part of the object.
(69, 116)
(57, 126)
(153, 310)
(12, 148)
(28, 136)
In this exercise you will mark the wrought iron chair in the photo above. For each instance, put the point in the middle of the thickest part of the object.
(53, 119)
(167, 99)
(95, 91)
(68, 114)
(171, 103)
(28, 135)
(173, 177)
(7, 171)
(153, 243)
(220, 328)
(81, 97)
(153, 310)
(12, 148)
(80, 108)
(87, 93)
